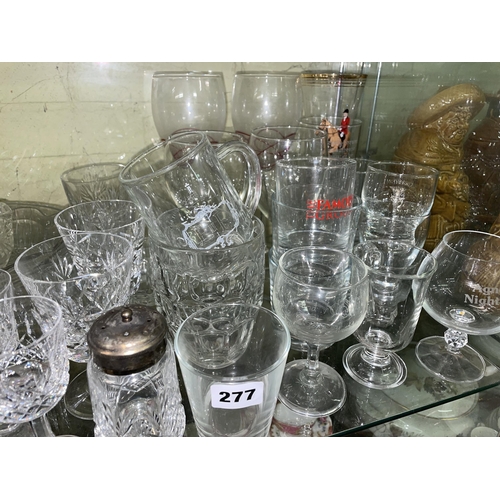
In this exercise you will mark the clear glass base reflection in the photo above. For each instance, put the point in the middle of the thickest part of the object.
(322, 394)
(77, 397)
(454, 365)
(376, 372)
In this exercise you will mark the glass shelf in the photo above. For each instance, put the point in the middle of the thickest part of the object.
(423, 405)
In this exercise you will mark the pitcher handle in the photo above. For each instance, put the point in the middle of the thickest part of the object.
(252, 196)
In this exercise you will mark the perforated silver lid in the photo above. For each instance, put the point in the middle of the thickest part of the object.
(128, 339)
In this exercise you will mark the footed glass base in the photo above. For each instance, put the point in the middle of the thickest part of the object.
(77, 397)
(459, 366)
(312, 393)
(374, 371)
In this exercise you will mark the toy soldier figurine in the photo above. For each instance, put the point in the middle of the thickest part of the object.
(344, 126)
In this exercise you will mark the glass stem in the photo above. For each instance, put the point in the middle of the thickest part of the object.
(376, 358)
(311, 373)
(455, 340)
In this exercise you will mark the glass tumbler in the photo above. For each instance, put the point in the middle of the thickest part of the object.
(96, 181)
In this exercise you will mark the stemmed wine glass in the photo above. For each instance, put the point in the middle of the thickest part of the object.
(321, 294)
(34, 367)
(86, 285)
(399, 275)
(193, 100)
(464, 296)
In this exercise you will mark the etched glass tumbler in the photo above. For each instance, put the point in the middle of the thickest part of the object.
(34, 367)
(464, 296)
(399, 276)
(96, 181)
(321, 294)
(186, 280)
(193, 100)
(121, 217)
(85, 286)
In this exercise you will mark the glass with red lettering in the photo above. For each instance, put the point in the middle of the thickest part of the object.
(232, 358)
(320, 183)
(318, 193)
(318, 224)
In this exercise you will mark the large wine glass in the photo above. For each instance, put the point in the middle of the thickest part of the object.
(265, 98)
(321, 294)
(193, 100)
(464, 296)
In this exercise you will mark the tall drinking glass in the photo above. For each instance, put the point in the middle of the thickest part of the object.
(186, 280)
(232, 358)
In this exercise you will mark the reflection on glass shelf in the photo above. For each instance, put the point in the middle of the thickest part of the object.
(430, 406)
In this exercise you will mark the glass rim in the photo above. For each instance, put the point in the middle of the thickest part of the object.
(376, 167)
(335, 289)
(268, 312)
(424, 254)
(72, 208)
(184, 74)
(485, 235)
(66, 175)
(79, 276)
(308, 162)
(126, 171)
(58, 321)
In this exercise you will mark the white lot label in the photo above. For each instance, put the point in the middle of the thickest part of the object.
(234, 396)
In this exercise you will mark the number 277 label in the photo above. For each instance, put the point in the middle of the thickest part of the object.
(234, 396)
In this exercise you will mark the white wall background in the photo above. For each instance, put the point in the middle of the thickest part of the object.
(54, 116)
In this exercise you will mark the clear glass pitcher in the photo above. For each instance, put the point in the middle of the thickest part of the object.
(185, 195)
